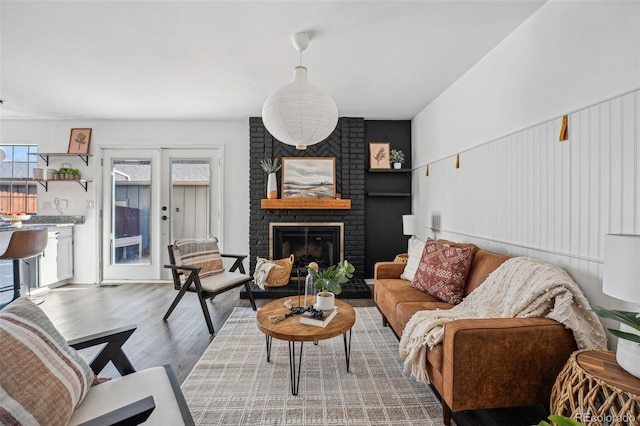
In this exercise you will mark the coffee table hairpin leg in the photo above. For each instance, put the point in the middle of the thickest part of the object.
(269, 338)
(295, 375)
(347, 348)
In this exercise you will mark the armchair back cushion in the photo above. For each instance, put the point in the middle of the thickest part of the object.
(204, 253)
(42, 379)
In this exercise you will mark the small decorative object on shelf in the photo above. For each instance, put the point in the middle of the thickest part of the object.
(271, 167)
(329, 283)
(397, 158)
(79, 141)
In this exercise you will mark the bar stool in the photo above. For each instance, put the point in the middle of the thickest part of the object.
(22, 245)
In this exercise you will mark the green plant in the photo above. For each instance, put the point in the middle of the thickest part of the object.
(64, 170)
(632, 319)
(561, 421)
(270, 166)
(397, 156)
(73, 171)
(332, 278)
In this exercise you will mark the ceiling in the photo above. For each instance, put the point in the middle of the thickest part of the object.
(215, 60)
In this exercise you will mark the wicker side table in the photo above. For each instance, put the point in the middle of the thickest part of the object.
(593, 389)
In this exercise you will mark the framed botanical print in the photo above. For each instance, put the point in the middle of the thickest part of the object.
(79, 141)
(379, 155)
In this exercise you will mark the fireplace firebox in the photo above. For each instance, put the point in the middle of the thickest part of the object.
(322, 243)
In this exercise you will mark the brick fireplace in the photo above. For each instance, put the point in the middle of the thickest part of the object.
(347, 145)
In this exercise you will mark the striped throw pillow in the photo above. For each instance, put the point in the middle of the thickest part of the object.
(204, 253)
(42, 379)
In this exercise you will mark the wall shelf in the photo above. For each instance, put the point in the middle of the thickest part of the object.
(45, 183)
(389, 170)
(306, 203)
(45, 156)
(389, 194)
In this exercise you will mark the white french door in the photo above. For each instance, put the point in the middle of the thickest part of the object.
(150, 198)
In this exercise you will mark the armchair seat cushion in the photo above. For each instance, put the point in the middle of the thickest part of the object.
(110, 395)
(215, 283)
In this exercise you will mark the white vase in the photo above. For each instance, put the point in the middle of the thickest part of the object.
(628, 353)
(272, 186)
(397, 165)
(325, 303)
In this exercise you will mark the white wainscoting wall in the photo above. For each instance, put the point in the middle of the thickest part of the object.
(527, 194)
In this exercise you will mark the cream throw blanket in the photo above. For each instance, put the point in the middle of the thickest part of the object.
(263, 268)
(520, 288)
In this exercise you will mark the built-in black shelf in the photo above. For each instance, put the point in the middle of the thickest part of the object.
(389, 194)
(389, 170)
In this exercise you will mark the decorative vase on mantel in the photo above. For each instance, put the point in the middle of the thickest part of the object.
(272, 186)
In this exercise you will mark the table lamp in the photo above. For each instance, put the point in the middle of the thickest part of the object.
(621, 279)
(412, 224)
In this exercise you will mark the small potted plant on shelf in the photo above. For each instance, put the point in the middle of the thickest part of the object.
(329, 283)
(397, 158)
(270, 167)
(75, 173)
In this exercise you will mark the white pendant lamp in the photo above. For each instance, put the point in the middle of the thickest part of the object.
(300, 114)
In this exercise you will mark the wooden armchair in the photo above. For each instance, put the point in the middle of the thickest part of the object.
(44, 379)
(200, 279)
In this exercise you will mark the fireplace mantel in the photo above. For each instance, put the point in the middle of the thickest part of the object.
(306, 203)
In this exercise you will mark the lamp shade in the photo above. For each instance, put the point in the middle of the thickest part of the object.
(621, 278)
(412, 224)
(299, 113)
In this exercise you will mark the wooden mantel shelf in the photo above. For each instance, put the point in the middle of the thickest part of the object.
(306, 203)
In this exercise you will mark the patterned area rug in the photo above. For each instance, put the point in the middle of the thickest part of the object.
(233, 383)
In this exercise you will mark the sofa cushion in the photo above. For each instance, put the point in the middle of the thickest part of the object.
(42, 379)
(204, 253)
(443, 270)
(414, 251)
(405, 310)
(484, 263)
(124, 390)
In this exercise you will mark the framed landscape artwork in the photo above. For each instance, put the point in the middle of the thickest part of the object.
(79, 141)
(379, 155)
(309, 177)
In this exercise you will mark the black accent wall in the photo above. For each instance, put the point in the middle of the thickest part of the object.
(373, 226)
(347, 145)
(388, 194)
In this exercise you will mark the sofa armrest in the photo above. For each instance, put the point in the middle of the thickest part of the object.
(112, 351)
(388, 270)
(129, 415)
(483, 357)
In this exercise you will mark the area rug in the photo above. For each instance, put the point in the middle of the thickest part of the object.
(233, 384)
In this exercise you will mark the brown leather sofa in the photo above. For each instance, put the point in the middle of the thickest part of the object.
(481, 363)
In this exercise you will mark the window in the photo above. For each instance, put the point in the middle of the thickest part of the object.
(18, 192)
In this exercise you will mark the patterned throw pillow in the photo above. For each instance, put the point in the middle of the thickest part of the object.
(42, 379)
(203, 253)
(443, 271)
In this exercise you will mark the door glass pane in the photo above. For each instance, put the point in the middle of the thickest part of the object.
(190, 202)
(130, 229)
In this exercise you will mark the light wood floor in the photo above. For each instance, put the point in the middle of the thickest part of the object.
(78, 310)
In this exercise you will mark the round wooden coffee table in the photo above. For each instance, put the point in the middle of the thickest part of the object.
(292, 331)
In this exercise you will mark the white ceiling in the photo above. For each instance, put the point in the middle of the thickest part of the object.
(220, 59)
